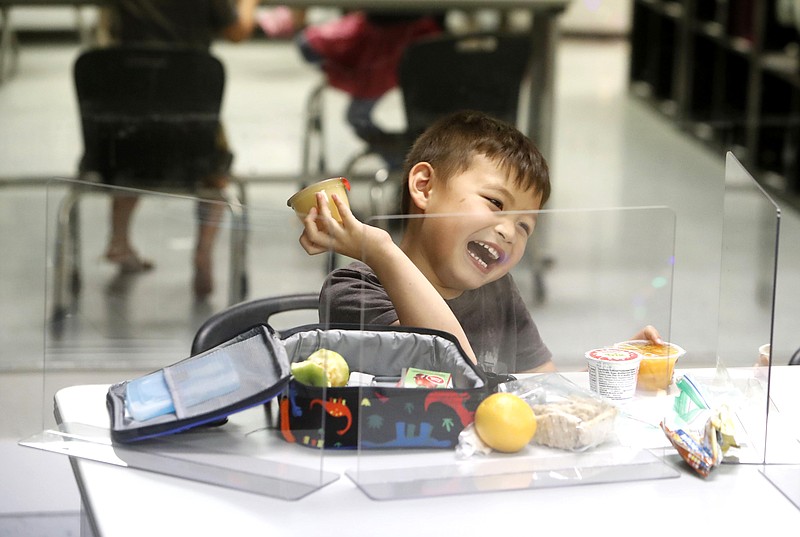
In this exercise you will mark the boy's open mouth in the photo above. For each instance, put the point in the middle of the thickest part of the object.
(484, 254)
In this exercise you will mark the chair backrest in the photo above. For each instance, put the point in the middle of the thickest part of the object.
(149, 115)
(795, 359)
(238, 318)
(443, 74)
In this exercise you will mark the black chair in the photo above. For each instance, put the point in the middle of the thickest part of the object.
(795, 359)
(150, 119)
(238, 318)
(479, 72)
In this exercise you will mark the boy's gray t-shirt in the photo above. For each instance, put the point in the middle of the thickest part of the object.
(494, 317)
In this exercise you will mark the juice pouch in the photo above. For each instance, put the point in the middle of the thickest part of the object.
(423, 378)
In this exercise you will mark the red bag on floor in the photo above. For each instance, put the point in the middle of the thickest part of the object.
(360, 57)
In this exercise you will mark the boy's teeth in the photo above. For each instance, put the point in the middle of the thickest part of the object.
(483, 253)
(479, 260)
(492, 251)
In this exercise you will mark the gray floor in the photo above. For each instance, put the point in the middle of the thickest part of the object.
(611, 268)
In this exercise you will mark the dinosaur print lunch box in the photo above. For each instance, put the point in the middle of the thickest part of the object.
(384, 416)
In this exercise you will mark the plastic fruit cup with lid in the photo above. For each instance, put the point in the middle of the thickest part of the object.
(303, 201)
(658, 362)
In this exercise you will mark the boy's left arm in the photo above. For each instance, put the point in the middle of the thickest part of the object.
(547, 367)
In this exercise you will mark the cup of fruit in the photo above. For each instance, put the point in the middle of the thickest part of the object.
(304, 200)
(658, 362)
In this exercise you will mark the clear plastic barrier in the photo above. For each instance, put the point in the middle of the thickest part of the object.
(767, 404)
(233, 458)
(751, 227)
(595, 280)
(743, 379)
(106, 326)
(786, 479)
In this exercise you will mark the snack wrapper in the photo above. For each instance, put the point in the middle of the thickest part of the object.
(701, 453)
(697, 453)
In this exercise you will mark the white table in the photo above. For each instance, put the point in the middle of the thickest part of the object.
(122, 501)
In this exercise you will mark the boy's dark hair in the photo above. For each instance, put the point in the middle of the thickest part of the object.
(452, 141)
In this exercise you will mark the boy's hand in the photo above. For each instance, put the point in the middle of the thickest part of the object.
(351, 237)
(649, 333)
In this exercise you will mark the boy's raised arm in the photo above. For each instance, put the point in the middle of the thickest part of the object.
(415, 300)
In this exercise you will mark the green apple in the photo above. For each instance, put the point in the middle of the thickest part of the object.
(310, 374)
(323, 368)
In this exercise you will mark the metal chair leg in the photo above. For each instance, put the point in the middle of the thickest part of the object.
(76, 265)
(9, 45)
(237, 284)
(314, 133)
(66, 253)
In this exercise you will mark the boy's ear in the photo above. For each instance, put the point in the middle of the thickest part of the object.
(419, 185)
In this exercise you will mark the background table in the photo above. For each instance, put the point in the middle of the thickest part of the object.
(9, 48)
(120, 501)
(544, 31)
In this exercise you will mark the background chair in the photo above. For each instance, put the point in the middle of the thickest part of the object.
(150, 119)
(442, 74)
(238, 318)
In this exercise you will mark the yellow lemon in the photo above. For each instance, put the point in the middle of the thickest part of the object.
(505, 422)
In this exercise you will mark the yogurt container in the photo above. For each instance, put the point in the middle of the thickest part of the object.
(612, 372)
(303, 201)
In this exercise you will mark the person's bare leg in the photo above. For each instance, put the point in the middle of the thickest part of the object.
(209, 218)
(119, 249)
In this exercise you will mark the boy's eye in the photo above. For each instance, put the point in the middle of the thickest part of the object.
(526, 227)
(497, 203)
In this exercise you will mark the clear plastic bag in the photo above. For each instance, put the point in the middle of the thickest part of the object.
(567, 416)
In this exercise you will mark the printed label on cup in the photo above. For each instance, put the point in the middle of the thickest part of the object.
(613, 372)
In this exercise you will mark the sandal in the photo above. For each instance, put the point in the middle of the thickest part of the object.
(129, 262)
